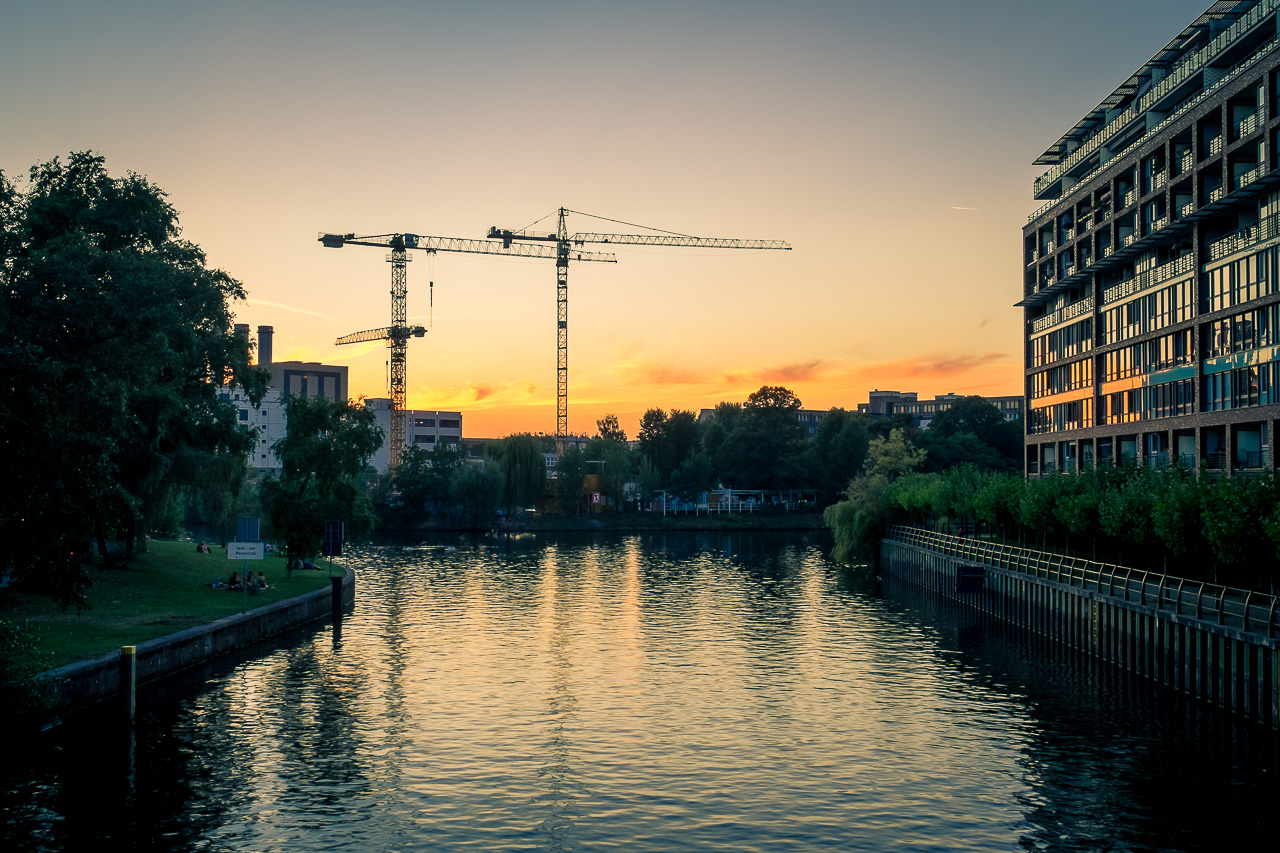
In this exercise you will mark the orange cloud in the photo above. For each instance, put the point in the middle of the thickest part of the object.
(927, 367)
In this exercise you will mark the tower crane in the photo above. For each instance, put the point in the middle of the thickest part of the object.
(398, 333)
(564, 243)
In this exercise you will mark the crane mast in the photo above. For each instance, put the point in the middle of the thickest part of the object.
(398, 333)
(564, 243)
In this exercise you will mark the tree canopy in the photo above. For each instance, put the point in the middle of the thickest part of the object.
(116, 339)
(323, 455)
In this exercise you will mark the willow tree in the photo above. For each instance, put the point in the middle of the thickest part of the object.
(523, 466)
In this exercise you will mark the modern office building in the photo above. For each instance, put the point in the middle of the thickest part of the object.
(1150, 274)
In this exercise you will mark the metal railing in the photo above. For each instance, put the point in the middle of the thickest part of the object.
(1158, 180)
(1247, 125)
(1129, 239)
(1157, 224)
(1216, 194)
(1130, 198)
(1070, 312)
(1186, 162)
(1215, 145)
(1248, 610)
(1245, 238)
(1186, 210)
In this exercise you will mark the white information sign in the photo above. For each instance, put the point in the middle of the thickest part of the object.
(245, 551)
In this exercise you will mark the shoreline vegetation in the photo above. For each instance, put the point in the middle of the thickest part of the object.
(165, 590)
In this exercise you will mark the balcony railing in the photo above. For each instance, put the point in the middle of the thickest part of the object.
(1068, 270)
(1245, 178)
(1215, 146)
(1186, 163)
(1247, 125)
(1068, 234)
(1267, 229)
(1182, 72)
(1070, 312)
(1158, 180)
(1216, 461)
(1129, 239)
(1130, 198)
(1178, 266)
(1215, 194)
(1048, 248)
(1186, 210)
(1157, 224)
(1108, 251)
(1251, 458)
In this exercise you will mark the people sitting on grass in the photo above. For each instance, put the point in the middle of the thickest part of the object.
(202, 548)
(261, 581)
(233, 582)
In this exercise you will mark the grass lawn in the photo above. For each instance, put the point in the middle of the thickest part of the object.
(165, 590)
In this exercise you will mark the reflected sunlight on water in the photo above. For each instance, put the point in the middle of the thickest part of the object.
(677, 692)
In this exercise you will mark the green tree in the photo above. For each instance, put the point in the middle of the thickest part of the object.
(667, 438)
(609, 429)
(523, 466)
(840, 448)
(423, 476)
(694, 476)
(323, 455)
(893, 456)
(611, 461)
(116, 340)
(571, 469)
(766, 449)
(476, 491)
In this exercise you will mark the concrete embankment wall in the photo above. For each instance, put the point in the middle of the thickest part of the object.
(1226, 665)
(88, 681)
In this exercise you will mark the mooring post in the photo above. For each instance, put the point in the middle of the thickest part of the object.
(337, 600)
(129, 680)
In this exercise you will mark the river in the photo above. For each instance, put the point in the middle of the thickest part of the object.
(645, 693)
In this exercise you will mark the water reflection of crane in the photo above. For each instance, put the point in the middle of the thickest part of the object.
(564, 252)
(398, 333)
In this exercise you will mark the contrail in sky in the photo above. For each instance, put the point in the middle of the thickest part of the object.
(953, 207)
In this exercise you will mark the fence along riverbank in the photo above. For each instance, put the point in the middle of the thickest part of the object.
(1212, 642)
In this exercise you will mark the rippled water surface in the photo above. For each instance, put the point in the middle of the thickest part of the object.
(687, 692)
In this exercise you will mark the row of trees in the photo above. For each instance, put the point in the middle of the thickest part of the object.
(756, 444)
(1224, 530)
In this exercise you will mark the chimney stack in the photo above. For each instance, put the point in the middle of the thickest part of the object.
(264, 345)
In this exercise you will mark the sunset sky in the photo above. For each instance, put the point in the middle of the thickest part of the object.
(889, 143)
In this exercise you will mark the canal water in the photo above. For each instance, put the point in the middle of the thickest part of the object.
(645, 693)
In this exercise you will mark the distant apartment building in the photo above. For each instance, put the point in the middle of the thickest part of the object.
(1150, 291)
(887, 404)
(883, 404)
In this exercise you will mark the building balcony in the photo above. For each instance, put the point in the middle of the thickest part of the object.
(1245, 238)
(1245, 178)
(1068, 270)
(1216, 461)
(1129, 199)
(1156, 224)
(1248, 125)
(1186, 163)
(1158, 180)
(1176, 267)
(1251, 459)
(1062, 315)
(1215, 146)
(1068, 234)
(1128, 240)
(1108, 251)
(1186, 210)
(1214, 195)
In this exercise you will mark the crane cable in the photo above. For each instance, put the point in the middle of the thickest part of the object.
(628, 224)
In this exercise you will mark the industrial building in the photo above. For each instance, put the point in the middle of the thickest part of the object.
(267, 420)
(1150, 273)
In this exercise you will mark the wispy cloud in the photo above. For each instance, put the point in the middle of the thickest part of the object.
(930, 367)
(476, 396)
(957, 207)
(265, 304)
